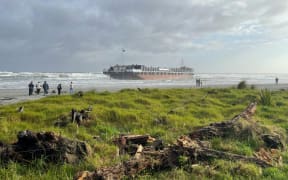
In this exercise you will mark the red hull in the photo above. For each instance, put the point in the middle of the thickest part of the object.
(164, 76)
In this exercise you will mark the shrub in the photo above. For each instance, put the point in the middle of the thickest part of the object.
(265, 97)
(242, 85)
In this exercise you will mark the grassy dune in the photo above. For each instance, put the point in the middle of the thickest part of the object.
(139, 112)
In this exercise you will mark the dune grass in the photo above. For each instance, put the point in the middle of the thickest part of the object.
(179, 112)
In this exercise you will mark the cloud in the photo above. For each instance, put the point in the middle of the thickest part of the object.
(71, 31)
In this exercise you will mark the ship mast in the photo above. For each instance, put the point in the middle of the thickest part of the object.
(123, 63)
(182, 62)
(122, 56)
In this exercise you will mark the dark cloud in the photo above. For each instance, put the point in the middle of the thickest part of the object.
(62, 33)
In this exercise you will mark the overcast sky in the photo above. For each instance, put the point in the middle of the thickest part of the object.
(88, 35)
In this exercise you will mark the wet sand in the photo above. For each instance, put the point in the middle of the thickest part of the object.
(10, 96)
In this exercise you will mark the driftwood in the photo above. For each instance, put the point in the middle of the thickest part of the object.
(271, 156)
(132, 139)
(192, 146)
(201, 151)
(167, 159)
(80, 116)
(46, 145)
(21, 109)
(223, 129)
(138, 152)
(129, 144)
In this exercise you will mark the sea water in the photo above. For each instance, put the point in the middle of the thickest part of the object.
(20, 80)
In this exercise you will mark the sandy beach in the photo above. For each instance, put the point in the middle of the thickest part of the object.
(10, 96)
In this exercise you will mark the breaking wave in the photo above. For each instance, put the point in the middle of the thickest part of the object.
(20, 80)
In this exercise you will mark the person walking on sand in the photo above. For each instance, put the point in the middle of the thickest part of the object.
(59, 88)
(71, 88)
(31, 88)
(38, 88)
(276, 80)
(45, 87)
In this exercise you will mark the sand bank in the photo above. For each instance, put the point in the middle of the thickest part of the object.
(10, 96)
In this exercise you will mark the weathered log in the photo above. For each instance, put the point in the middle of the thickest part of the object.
(195, 150)
(271, 156)
(200, 151)
(128, 168)
(138, 152)
(166, 159)
(247, 113)
(223, 129)
(84, 175)
(132, 139)
(129, 143)
(204, 153)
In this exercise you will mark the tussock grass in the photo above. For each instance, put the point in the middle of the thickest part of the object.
(165, 113)
(266, 97)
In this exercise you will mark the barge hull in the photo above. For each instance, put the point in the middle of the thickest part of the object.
(150, 76)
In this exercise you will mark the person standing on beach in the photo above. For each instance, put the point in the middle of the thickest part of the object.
(45, 87)
(59, 88)
(276, 80)
(31, 88)
(38, 88)
(71, 88)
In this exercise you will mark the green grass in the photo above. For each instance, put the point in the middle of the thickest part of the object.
(266, 97)
(136, 112)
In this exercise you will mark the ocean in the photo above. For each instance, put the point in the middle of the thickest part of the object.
(20, 80)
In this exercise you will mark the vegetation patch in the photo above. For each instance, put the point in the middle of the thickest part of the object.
(163, 113)
(266, 97)
(242, 85)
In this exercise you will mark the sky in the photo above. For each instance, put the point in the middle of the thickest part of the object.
(212, 36)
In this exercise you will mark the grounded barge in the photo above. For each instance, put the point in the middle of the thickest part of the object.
(141, 72)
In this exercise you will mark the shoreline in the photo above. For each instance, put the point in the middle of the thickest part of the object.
(12, 96)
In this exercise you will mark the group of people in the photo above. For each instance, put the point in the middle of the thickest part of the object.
(45, 87)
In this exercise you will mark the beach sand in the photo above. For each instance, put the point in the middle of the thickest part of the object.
(10, 96)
